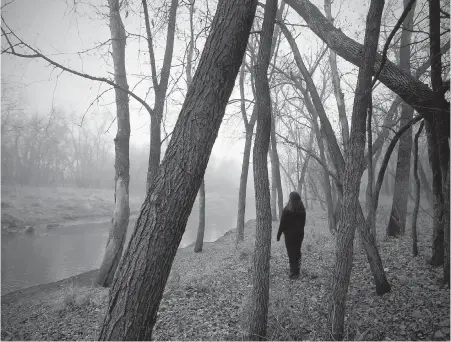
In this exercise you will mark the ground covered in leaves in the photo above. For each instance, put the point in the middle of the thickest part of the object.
(206, 294)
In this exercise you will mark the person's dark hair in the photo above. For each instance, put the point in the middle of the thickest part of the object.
(295, 203)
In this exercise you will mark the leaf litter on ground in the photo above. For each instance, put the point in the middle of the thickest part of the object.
(206, 294)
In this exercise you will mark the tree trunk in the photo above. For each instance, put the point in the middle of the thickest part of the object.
(201, 228)
(393, 77)
(440, 123)
(143, 271)
(121, 214)
(259, 297)
(397, 222)
(437, 257)
(160, 88)
(425, 182)
(417, 192)
(339, 96)
(273, 186)
(155, 149)
(243, 180)
(352, 175)
(276, 165)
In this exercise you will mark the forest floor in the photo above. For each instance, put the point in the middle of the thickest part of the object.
(24, 206)
(206, 294)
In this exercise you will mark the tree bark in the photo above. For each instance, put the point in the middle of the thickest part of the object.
(121, 214)
(417, 192)
(352, 174)
(397, 222)
(259, 297)
(143, 271)
(413, 92)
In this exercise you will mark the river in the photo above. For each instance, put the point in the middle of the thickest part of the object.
(53, 254)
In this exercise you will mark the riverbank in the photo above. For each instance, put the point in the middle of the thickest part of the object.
(206, 294)
(24, 207)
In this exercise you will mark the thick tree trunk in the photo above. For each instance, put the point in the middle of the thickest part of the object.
(352, 175)
(143, 271)
(276, 165)
(121, 214)
(397, 222)
(441, 123)
(417, 192)
(201, 228)
(413, 92)
(259, 297)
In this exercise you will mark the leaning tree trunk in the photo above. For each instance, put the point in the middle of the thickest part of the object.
(121, 214)
(417, 192)
(143, 271)
(352, 175)
(276, 164)
(397, 222)
(259, 297)
(391, 76)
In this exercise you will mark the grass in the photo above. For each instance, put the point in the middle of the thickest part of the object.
(206, 296)
(28, 206)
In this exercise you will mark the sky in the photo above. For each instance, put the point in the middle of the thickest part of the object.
(59, 31)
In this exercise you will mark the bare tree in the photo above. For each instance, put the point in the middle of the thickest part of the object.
(116, 238)
(143, 271)
(249, 128)
(352, 173)
(259, 298)
(160, 88)
(397, 221)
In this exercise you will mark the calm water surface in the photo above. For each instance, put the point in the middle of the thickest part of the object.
(51, 255)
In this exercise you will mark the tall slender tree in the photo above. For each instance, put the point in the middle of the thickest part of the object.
(259, 298)
(352, 173)
(119, 223)
(397, 221)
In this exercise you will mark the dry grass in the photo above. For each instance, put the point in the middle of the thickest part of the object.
(25, 205)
